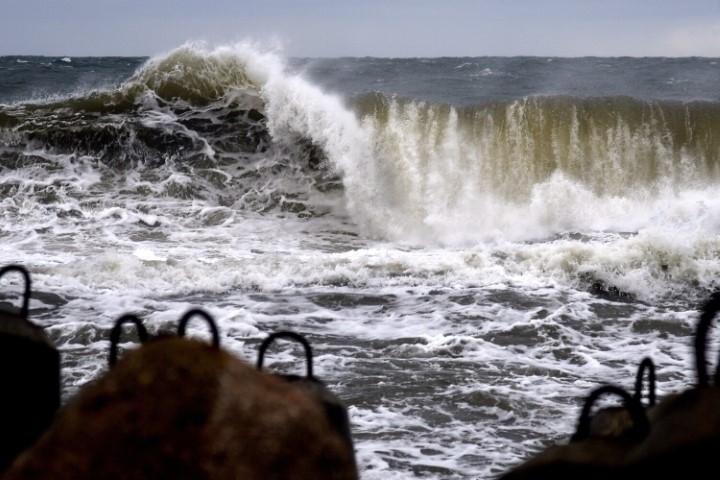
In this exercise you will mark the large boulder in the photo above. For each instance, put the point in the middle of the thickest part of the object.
(29, 375)
(182, 409)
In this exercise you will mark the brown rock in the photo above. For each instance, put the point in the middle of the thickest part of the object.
(600, 447)
(179, 408)
(685, 434)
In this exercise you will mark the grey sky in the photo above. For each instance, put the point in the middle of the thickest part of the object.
(386, 28)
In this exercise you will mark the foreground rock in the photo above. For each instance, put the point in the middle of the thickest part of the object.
(676, 438)
(600, 447)
(30, 377)
(179, 408)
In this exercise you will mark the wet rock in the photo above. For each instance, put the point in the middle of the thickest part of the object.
(609, 292)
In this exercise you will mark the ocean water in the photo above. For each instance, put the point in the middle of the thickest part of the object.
(471, 245)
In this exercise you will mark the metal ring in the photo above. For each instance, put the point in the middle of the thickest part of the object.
(637, 413)
(213, 328)
(287, 334)
(24, 310)
(646, 364)
(708, 312)
(117, 330)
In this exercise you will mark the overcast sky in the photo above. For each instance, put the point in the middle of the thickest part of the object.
(383, 28)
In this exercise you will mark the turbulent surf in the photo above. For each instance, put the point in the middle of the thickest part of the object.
(473, 223)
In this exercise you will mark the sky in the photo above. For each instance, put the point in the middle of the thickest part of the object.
(379, 28)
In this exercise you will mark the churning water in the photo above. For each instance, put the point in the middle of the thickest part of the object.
(470, 244)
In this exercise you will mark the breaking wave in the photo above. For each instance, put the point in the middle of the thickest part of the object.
(233, 125)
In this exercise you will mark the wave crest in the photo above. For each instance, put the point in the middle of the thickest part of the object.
(196, 76)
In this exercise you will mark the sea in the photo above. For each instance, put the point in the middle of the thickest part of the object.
(470, 245)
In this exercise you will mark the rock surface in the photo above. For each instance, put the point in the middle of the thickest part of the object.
(179, 408)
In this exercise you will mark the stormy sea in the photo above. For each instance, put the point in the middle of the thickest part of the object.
(471, 245)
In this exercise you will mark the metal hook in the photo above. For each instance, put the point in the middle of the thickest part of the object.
(708, 312)
(637, 414)
(213, 328)
(646, 364)
(287, 334)
(117, 330)
(26, 296)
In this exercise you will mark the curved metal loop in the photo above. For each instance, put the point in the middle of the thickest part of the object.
(117, 330)
(637, 413)
(649, 365)
(709, 309)
(292, 335)
(182, 325)
(24, 310)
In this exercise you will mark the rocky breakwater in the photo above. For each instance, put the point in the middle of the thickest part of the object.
(181, 408)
